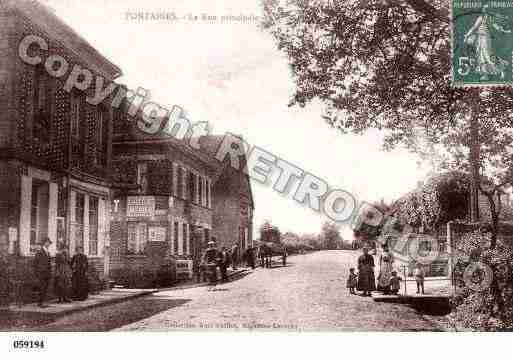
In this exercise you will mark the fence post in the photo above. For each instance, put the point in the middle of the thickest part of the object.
(450, 263)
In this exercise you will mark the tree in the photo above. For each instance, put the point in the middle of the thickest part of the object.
(330, 234)
(385, 64)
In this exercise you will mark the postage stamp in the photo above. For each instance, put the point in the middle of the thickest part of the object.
(482, 43)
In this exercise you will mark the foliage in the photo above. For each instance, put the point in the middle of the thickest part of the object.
(492, 308)
(295, 243)
(330, 236)
(386, 65)
(443, 198)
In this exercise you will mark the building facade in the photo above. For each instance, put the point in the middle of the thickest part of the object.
(85, 176)
(171, 200)
(55, 146)
(167, 215)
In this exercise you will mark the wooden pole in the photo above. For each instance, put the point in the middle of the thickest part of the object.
(405, 279)
(475, 156)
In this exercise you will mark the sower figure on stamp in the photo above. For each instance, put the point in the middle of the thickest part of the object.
(43, 270)
(481, 38)
(80, 282)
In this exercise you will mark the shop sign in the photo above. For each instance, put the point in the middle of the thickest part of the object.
(140, 206)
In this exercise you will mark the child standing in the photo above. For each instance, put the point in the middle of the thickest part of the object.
(419, 278)
(395, 283)
(351, 281)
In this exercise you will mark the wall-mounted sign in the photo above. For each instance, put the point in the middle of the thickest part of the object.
(157, 234)
(13, 239)
(184, 268)
(140, 206)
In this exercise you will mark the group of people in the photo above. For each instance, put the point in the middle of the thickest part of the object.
(223, 258)
(70, 274)
(388, 281)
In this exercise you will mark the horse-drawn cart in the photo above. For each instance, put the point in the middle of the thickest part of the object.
(268, 250)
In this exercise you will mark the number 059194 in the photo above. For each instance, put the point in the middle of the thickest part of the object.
(28, 344)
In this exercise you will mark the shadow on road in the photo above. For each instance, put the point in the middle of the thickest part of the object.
(433, 307)
(276, 266)
(10, 321)
(102, 318)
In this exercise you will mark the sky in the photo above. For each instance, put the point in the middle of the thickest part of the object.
(230, 74)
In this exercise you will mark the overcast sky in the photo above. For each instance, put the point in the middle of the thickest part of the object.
(231, 75)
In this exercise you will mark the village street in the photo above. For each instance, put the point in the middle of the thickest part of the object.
(308, 294)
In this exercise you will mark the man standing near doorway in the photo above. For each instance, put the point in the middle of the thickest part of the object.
(43, 270)
(235, 256)
(223, 264)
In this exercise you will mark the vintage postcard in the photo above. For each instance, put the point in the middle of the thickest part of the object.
(255, 166)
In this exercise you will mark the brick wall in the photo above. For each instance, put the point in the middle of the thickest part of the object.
(20, 283)
(7, 70)
(226, 209)
(10, 190)
(22, 76)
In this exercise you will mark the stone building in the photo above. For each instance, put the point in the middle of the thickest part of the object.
(55, 146)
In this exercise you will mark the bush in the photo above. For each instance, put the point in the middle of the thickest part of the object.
(139, 277)
(484, 300)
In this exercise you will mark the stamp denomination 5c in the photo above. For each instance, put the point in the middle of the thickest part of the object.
(482, 42)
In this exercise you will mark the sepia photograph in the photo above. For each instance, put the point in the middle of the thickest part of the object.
(255, 166)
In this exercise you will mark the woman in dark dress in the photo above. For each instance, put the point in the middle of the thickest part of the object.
(366, 281)
(80, 282)
(62, 274)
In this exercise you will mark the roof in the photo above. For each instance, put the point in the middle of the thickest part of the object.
(208, 147)
(58, 30)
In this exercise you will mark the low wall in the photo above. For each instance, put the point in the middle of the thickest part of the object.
(18, 282)
(143, 271)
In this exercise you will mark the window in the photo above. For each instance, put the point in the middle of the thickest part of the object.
(75, 116)
(142, 237)
(39, 212)
(99, 137)
(79, 220)
(192, 187)
(185, 240)
(142, 177)
(132, 238)
(42, 105)
(179, 184)
(207, 189)
(137, 238)
(200, 190)
(102, 136)
(183, 178)
(93, 226)
(175, 236)
(79, 208)
(33, 218)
